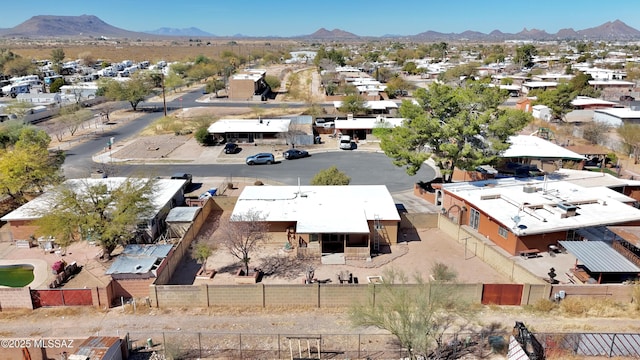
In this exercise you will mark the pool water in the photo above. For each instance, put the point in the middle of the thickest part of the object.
(16, 275)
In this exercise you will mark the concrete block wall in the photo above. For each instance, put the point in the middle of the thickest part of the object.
(178, 296)
(340, 295)
(236, 295)
(418, 221)
(15, 298)
(296, 295)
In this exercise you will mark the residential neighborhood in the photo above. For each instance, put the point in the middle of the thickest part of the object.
(316, 175)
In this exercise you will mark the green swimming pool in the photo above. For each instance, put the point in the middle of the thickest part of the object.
(16, 275)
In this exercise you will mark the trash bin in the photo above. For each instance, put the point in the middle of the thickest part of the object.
(149, 343)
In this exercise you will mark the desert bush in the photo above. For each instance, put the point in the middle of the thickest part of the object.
(543, 306)
(573, 306)
(635, 296)
(258, 182)
(203, 137)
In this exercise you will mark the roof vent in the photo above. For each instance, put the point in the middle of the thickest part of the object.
(568, 208)
(529, 189)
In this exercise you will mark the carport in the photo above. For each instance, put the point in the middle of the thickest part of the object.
(601, 261)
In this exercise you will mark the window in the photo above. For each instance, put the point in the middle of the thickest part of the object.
(474, 220)
(313, 237)
(503, 232)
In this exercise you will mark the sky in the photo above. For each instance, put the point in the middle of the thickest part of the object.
(361, 17)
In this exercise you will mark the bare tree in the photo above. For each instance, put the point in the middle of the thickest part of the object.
(243, 234)
(594, 131)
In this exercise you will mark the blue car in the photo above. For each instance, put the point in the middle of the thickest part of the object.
(260, 158)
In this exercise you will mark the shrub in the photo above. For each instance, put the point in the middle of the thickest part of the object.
(573, 306)
(258, 183)
(543, 306)
(203, 137)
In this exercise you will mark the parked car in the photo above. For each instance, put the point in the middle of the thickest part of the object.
(231, 148)
(295, 154)
(260, 158)
(184, 176)
(346, 143)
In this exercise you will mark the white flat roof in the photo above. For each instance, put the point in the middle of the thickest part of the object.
(320, 209)
(373, 105)
(368, 123)
(532, 84)
(223, 126)
(541, 209)
(163, 193)
(621, 113)
(528, 146)
(611, 82)
(585, 100)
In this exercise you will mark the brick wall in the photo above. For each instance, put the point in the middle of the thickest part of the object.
(22, 229)
(131, 288)
(15, 298)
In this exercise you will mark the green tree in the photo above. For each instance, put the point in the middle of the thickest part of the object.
(203, 137)
(558, 100)
(173, 80)
(397, 86)
(273, 82)
(243, 234)
(410, 67)
(27, 166)
(107, 212)
(10, 132)
(630, 134)
(457, 73)
(134, 90)
(57, 57)
(524, 55)
(457, 127)
(201, 253)
(416, 312)
(353, 104)
(19, 67)
(56, 85)
(330, 176)
(214, 85)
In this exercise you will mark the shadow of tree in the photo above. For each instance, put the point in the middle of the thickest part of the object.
(285, 266)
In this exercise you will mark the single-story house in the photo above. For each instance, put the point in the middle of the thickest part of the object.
(360, 127)
(534, 150)
(168, 194)
(617, 116)
(535, 85)
(343, 222)
(520, 215)
(374, 107)
(586, 102)
(251, 130)
(40, 98)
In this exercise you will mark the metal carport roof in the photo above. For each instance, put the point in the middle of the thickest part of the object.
(599, 257)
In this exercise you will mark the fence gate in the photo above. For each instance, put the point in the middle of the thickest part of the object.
(502, 294)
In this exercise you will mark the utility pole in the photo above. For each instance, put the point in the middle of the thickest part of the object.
(164, 99)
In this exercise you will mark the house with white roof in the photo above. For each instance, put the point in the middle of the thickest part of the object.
(360, 127)
(167, 194)
(538, 85)
(617, 116)
(374, 106)
(251, 130)
(520, 215)
(342, 222)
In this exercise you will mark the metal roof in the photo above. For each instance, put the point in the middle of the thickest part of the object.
(183, 214)
(599, 257)
(630, 234)
(138, 258)
(528, 146)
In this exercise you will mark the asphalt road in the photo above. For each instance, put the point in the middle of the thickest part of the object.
(364, 168)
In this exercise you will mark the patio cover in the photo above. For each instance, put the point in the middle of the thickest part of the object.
(599, 257)
(337, 220)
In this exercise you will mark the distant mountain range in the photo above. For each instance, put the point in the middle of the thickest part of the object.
(89, 26)
(192, 31)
